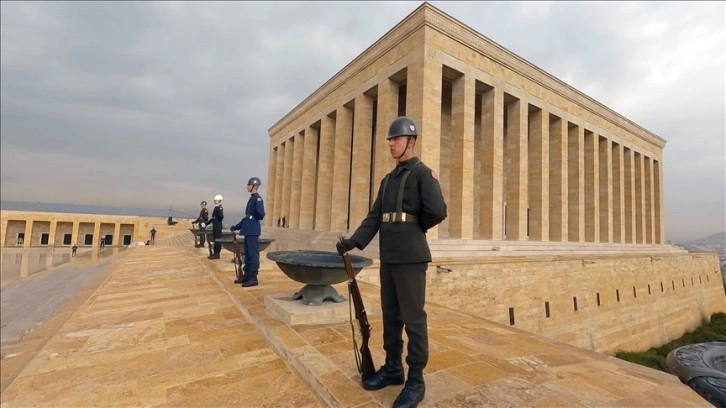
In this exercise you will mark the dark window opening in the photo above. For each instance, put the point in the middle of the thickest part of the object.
(574, 302)
(108, 239)
(44, 237)
(88, 240)
(127, 239)
(617, 294)
(402, 101)
(547, 309)
(66, 239)
(511, 316)
(649, 289)
(635, 294)
(598, 298)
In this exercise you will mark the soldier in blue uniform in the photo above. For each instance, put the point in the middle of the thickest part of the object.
(250, 228)
(408, 204)
(216, 221)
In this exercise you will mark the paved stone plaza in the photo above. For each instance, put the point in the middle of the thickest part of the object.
(169, 328)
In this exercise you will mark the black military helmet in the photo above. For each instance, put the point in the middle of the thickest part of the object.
(403, 126)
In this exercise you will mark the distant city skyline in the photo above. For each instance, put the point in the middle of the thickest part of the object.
(158, 104)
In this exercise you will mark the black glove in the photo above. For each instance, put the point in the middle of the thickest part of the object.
(232, 229)
(345, 245)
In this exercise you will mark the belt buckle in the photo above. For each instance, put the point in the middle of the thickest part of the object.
(386, 217)
(403, 217)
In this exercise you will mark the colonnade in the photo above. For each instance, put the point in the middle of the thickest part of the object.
(512, 167)
(58, 232)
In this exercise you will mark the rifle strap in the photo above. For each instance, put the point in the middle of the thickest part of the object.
(358, 358)
(401, 188)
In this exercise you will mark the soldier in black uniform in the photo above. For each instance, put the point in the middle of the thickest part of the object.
(409, 203)
(217, 217)
(202, 220)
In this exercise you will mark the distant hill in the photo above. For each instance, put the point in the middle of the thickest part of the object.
(718, 238)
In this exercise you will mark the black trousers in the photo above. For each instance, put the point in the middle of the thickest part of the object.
(403, 295)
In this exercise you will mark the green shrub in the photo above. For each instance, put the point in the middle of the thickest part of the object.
(656, 357)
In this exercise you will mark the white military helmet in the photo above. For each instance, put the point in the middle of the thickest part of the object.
(218, 198)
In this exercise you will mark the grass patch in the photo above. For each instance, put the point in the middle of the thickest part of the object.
(656, 357)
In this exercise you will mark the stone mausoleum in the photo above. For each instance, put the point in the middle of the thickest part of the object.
(555, 201)
(521, 155)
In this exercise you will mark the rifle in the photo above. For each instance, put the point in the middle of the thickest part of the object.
(237, 260)
(196, 235)
(364, 360)
(209, 241)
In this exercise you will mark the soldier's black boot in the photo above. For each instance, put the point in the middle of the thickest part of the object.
(413, 392)
(390, 374)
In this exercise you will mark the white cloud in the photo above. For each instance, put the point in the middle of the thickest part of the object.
(153, 87)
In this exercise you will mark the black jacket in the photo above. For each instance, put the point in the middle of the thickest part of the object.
(404, 242)
(217, 217)
(203, 216)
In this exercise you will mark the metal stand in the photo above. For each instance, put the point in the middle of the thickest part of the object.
(315, 295)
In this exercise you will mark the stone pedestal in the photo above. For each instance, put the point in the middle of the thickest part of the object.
(294, 312)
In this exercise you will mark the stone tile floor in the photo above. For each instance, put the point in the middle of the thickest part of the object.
(170, 328)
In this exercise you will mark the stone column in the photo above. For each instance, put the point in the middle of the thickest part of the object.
(492, 164)
(117, 234)
(74, 233)
(423, 105)
(606, 190)
(461, 205)
(516, 171)
(270, 217)
(297, 180)
(539, 177)
(24, 265)
(360, 183)
(309, 173)
(592, 188)
(341, 169)
(287, 180)
(51, 233)
(558, 180)
(658, 203)
(576, 183)
(28, 233)
(386, 110)
(639, 199)
(324, 195)
(649, 215)
(96, 235)
(278, 182)
(3, 232)
(629, 204)
(618, 196)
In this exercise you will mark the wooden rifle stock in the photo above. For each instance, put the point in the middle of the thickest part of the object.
(237, 260)
(365, 365)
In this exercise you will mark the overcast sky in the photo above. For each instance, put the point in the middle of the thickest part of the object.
(164, 104)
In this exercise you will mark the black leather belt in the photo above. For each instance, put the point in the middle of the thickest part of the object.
(395, 217)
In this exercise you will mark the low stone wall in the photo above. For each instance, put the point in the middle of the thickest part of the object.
(603, 303)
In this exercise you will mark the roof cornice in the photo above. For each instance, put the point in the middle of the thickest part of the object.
(430, 16)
